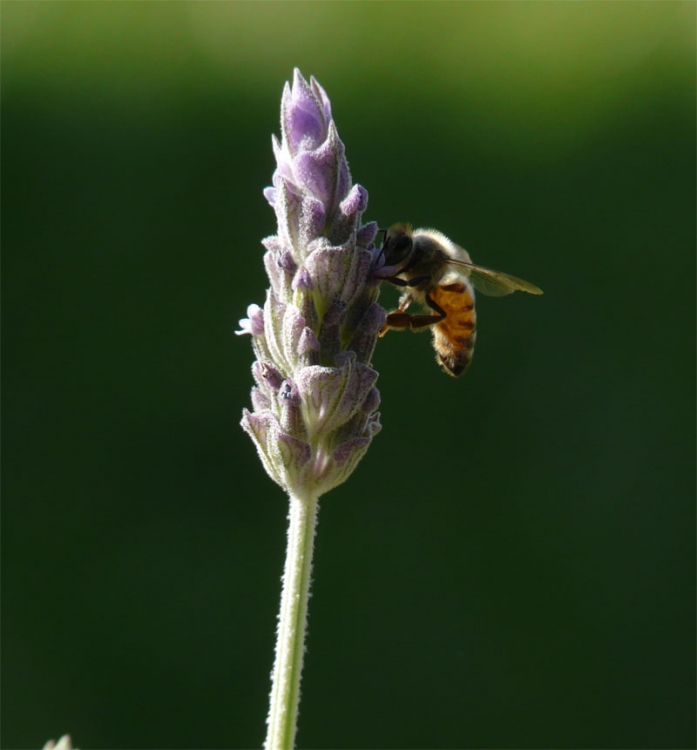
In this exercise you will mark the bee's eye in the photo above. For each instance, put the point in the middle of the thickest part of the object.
(397, 247)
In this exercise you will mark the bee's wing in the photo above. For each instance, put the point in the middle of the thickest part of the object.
(494, 283)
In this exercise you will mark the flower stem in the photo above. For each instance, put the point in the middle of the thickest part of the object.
(292, 620)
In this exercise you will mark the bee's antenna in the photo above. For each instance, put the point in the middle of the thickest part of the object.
(383, 232)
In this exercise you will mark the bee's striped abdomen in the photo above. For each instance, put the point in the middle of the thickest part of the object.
(454, 336)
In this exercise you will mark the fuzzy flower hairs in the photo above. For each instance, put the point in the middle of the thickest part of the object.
(315, 398)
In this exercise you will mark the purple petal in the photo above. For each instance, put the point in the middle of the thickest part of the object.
(302, 116)
(355, 202)
(270, 195)
(366, 234)
(315, 171)
(308, 342)
(254, 324)
(245, 327)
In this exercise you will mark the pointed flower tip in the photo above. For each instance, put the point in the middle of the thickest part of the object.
(64, 743)
(322, 96)
(299, 79)
(303, 118)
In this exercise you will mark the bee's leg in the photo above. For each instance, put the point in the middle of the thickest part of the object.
(382, 232)
(400, 319)
(435, 307)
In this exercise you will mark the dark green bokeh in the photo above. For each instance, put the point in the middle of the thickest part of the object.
(512, 565)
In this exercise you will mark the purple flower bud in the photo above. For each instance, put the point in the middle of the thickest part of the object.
(267, 377)
(303, 120)
(308, 342)
(289, 404)
(303, 280)
(372, 401)
(366, 234)
(315, 398)
(285, 261)
(355, 202)
(288, 393)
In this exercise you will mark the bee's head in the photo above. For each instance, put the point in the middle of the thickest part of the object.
(397, 245)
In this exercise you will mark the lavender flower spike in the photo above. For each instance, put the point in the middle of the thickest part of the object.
(315, 401)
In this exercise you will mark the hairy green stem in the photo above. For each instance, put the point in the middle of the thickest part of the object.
(292, 621)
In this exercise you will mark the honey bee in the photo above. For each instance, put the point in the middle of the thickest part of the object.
(440, 275)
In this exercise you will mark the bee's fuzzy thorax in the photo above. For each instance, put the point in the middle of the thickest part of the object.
(444, 244)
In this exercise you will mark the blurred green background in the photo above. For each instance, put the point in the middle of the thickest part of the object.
(512, 565)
